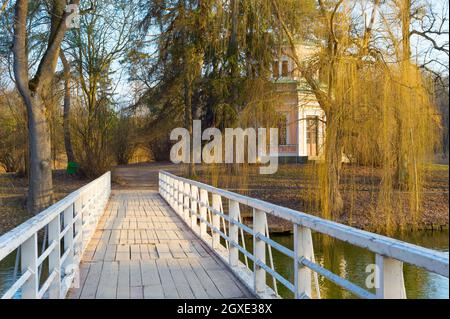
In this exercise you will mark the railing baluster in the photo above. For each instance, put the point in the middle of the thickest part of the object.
(79, 230)
(203, 211)
(216, 201)
(259, 250)
(194, 204)
(173, 192)
(29, 256)
(54, 259)
(180, 198)
(303, 248)
(389, 278)
(68, 238)
(234, 232)
(186, 203)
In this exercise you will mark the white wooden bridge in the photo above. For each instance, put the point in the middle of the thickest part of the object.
(187, 241)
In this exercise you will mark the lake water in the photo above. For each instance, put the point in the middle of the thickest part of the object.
(350, 262)
(343, 259)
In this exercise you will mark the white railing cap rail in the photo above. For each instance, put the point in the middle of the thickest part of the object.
(431, 260)
(14, 238)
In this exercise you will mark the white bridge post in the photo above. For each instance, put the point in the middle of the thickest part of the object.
(171, 192)
(234, 232)
(68, 238)
(180, 198)
(29, 255)
(186, 203)
(203, 211)
(259, 250)
(216, 204)
(54, 259)
(303, 248)
(194, 202)
(389, 278)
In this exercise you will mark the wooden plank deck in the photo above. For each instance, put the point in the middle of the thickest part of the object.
(143, 250)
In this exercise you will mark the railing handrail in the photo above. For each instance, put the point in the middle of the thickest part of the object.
(428, 259)
(17, 236)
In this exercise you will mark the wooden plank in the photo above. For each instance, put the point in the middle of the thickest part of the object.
(110, 254)
(169, 288)
(163, 251)
(182, 285)
(136, 293)
(135, 273)
(107, 288)
(123, 284)
(100, 251)
(204, 279)
(176, 250)
(194, 282)
(149, 273)
(123, 252)
(92, 280)
(222, 279)
(189, 249)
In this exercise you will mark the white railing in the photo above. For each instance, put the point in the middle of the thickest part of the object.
(191, 200)
(68, 226)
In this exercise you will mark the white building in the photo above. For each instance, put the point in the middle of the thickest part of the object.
(302, 120)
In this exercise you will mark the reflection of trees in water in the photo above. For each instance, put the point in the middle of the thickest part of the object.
(350, 262)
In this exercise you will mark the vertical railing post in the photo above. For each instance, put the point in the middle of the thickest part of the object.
(68, 237)
(160, 185)
(216, 204)
(172, 192)
(175, 195)
(303, 248)
(234, 232)
(389, 279)
(78, 230)
(259, 250)
(180, 198)
(54, 259)
(29, 256)
(203, 211)
(194, 202)
(186, 203)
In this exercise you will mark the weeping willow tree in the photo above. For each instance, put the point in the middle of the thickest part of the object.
(378, 107)
(211, 62)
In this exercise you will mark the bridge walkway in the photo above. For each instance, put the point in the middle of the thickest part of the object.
(143, 250)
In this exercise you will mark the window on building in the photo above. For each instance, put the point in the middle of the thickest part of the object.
(276, 69)
(282, 129)
(312, 135)
(285, 69)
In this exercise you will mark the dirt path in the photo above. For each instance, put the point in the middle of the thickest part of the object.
(140, 176)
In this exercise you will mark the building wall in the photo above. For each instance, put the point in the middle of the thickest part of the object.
(297, 104)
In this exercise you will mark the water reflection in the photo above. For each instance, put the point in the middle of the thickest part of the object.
(350, 262)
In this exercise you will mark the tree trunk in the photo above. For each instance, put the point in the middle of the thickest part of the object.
(40, 191)
(333, 203)
(33, 93)
(67, 105)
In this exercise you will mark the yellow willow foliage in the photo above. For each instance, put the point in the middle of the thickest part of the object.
(384, 118)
